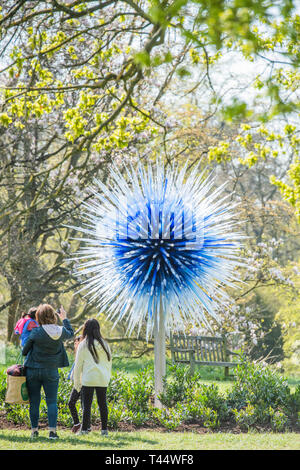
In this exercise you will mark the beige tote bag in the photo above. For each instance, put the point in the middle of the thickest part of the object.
(16, 391)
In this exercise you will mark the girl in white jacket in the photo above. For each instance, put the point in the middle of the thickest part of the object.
(92, 372)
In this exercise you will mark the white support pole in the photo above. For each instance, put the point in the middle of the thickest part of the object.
(159, 355)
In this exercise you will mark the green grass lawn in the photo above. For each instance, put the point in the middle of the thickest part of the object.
(149, 440)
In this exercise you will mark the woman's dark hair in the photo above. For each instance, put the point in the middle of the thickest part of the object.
(91, 332)
(31, 313)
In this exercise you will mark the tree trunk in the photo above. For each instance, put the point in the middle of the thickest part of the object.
(11, 321)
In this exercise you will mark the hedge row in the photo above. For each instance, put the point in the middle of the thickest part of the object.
(259, 398)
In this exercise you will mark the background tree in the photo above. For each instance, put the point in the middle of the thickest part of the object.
(272, 244)
(85, 84)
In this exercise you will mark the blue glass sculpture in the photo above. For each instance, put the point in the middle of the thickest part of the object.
(158, 241)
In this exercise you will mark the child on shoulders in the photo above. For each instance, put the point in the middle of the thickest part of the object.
(26, 324)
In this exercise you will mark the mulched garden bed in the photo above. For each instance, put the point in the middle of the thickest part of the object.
(229, 427)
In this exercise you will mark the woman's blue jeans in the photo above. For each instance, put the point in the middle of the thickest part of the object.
(35, 380)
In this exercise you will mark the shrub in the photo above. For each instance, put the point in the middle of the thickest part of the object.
(206, 416)
(18, 414)
(116, 386)
(116, 414)
(257, 384)
(178, 385)
(137, 392)
(259, 397)
(210, 418)
(138, 418)
(295, 400)
(298, 419)
(2, 386)
(252, 416)
(208, 396)
(246, 417)
(170, 418)
(278, 420)
(13, 354)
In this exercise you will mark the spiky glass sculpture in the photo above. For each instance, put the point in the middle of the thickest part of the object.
(158, 241)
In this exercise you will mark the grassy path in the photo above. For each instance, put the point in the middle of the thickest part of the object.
(149, 440)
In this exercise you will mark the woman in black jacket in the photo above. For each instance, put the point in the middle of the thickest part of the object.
(45, 353)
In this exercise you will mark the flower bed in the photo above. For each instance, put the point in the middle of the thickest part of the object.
(259, 399)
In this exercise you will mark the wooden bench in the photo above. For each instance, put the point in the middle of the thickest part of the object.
(201, 350)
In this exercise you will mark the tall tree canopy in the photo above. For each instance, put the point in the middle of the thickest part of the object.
(81, 87)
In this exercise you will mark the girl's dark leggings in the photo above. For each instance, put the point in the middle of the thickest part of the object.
(87, 399)
(72, 405)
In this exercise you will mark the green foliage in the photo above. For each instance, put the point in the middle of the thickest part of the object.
(262, 397)
(199, 400)
(288, 315)
(296, 398)
(170, 418)
(196, 411)
(245, 417)
(208, 397)
(134, 392)
(252, 27)
(259, 399)
(237, 111)
(210, 418)
(18, 414)
(278, 419)
(77, 81)
(252, 416)
(138, 418)
(2, 386)
(257, 384)
(116, 414)
(176, 388)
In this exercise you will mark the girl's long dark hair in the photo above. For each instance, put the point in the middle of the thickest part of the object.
(91, 332)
